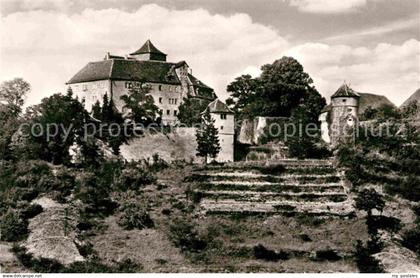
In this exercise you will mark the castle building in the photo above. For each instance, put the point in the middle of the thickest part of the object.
(116, 75)
(339, 118)
(224, 121)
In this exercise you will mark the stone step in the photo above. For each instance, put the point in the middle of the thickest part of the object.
(271, 187)
(251, 177)
(253, 196)
(276, 207)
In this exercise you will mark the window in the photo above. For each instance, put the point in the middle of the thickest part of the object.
(221, 127)
(175, 112)
(223, 116)
(168, 112)
(344, 100)
(160, 87)
(176, 101)
(173, 101)
(84, 88)
(160, 100)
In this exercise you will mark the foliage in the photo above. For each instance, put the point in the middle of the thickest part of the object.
(207, 138)
(13, 227)
(111, 124)
(190, 111)
(365, 261)
(184, 235)
(262, 253)
(31, 211)
(13, 93)
(281, 87)
(411, 239)
(243, 91)
(140, 105)
(134, 176)
(65, 117)
(368, 199)
(135, 215)
(411, 109)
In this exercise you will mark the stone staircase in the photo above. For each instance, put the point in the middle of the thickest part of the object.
(287, 187)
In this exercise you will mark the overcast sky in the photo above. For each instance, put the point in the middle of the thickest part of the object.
(373, 44)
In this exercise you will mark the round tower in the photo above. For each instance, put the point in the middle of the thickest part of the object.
(344, 114)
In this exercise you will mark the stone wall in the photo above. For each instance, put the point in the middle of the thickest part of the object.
(91, 91)
(252, 131)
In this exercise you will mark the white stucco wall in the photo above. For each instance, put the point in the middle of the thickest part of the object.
(91, 92)
(226, 131)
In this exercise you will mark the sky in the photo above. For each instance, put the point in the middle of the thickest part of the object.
(374, 45)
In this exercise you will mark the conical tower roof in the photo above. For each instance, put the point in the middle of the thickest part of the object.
(148, 47)
(345, 91)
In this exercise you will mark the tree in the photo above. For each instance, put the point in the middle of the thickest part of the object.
(281, 87)
(207, 138)
(190, 111)
(368, 199)
(140, 105)
(65, 118)
(13, 92)
(97, 110)
(12, 95)
(243, 91)
(410, 109)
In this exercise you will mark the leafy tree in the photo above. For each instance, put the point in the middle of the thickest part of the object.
(190, 111)
(281, 87)
(65, 117)
(12, 95)
(207, 138)
(13, 92)
(410, 109)
(140, 105)
(243, 91)
(368, 199)
(111, 120)
(369, 113)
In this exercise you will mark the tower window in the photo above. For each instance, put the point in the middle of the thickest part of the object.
(223, 116)
(160, 100)
(160, 87)
(175, 112)
(168, 112)
(221, 127)
(344, 100)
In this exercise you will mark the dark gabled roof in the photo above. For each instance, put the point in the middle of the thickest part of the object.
(148, 47)
(345, 91)
(196, 82)
(216, 106)
(123, 69)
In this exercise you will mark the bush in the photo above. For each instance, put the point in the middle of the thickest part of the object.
(134, 178)
(411, 240)
(31, 211)
(184, 235)
(135, 215)
(365, 261)
(262, 253)
(327, 255)
(13, 227)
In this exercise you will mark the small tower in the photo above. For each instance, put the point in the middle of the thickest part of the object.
(343, 117)
(225, 123)
(148, 52)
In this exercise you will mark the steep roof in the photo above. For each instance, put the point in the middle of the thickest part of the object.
(131, 70)
(148, 47)
(216, 106)
(372, 100)
(196, 82)
(345, 91)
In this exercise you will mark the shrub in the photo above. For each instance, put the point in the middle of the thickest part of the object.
(135, 215)
(411, 240)
(134, 178)
(184, 235)
(262, 253)
(365, 261)
(31, 211)
(327, 255)
(13, 228)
